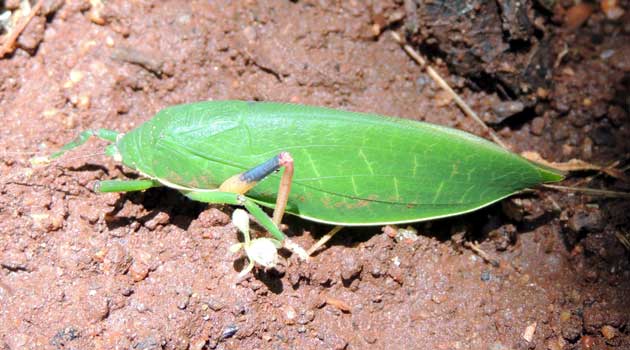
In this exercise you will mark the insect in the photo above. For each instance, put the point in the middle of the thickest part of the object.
(340, 168)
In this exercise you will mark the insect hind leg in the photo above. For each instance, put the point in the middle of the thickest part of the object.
(243, 182)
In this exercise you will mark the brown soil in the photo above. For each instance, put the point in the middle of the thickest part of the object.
(152, 270)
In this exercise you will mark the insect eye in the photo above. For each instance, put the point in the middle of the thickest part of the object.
(113, 152)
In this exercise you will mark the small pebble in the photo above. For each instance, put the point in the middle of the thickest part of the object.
(289, 314)
(350, 267)
(439, 298)
(146, 343)
(339, 304)
(396, 273)
(70, 121)
(229, 331)
(611, 9)
(47, 222)
(97, 308)
(574, 296)
(556, 343)
(197, 344)
(138, 271)
(117, 261)
(83, 101)
(537, 126)
(76, 76)
(63, 336)
(214, 305)
(528, 334)
(542, 93)
(565, 315)
(442, 98)
(408, 233)
(571, 326)
(486, 276)
(606, 54)
(250, 34)
(498, 346)
(306, 317)
(33, 34)
(506, 109)
(591, 275)
(371, 336)
(490, 309)
(12, 4)
(336, 342)
(577, 15)
(608, 332)
(587, 342)
(99, 256)
(140, 307)
(95, 14)
(91, 212)
(585, 220)
(182, 301)
(160, 219)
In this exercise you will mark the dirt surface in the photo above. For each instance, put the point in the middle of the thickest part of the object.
(152, 270)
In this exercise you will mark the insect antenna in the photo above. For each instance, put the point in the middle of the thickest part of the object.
(46, 160)
(21, 178)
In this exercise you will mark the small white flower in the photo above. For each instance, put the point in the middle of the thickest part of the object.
(262, 251)
(240, 218)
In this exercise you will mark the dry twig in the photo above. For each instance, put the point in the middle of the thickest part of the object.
(474, 246)
(9, 43)
(339, 304)
(444, 85)
(577, 165)
(623, 239)
(589, 191)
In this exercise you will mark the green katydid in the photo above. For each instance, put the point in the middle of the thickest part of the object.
(340, 168)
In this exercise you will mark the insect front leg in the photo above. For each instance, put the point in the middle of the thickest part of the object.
(125, 185)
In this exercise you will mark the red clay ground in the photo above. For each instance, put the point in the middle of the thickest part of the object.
(151, 270)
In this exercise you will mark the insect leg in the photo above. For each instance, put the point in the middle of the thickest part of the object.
(218, 197)
(125, 185)
(323, 240)
(243, 182)
(105, 134)
(284, 188)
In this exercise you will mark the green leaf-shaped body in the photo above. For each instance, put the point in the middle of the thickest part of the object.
(350, 168)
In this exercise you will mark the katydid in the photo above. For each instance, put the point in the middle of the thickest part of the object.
(340, 168)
